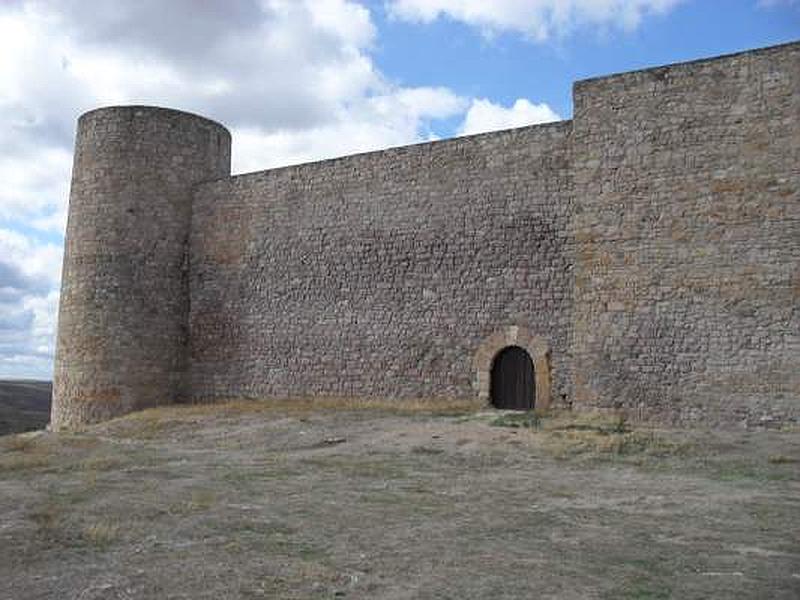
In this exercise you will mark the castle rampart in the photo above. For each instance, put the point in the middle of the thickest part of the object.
(644, 255)
(382, 272)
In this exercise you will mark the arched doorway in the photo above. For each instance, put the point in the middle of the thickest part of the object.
(513, 335)
(512, 380)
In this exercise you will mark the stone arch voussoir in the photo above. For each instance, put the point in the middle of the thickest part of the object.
(513, 335)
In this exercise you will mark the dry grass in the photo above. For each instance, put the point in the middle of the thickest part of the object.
(593, 444)
(52, 453)
(101, 533)
(597, 421)
(563, 434)
(23, 451)
(781, 459)
(22, 442)
(48, 518)
(102, 462)
(64, 452)
(199, 500)
(61, 517)
(254, 504)
(78, 441)
(151, 423)
(53, 525)
(24, 462)
(437, 406)
(591, 434)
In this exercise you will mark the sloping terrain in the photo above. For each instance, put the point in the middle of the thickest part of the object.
(364, 501)
(24, 405)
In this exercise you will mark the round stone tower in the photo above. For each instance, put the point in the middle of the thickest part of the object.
(123, 317)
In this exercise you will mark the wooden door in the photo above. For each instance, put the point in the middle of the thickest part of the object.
(512, 383)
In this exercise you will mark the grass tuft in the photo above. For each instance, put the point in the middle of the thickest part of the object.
(525, 420)
(23, 452)
(101, 534)
(564, 444)
(24, 462)
(18, 443)
(100, 463)
(781, 459)
(595, 434)
(48, 518)
(199, 501)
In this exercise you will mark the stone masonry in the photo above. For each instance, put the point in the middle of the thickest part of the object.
(645, 254)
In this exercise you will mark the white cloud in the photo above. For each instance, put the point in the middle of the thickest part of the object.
(293, 79)
(40, 262)
(35, 95)
(29, 275)
(43, 309)
(484, 115)
(380, 121)
(274, 69)
(35, 186)
(539, 20)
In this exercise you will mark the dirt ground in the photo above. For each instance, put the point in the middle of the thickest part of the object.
(367, 502)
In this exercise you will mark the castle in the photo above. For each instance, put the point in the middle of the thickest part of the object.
(644, 255)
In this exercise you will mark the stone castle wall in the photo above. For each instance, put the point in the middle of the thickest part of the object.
(687, 279)
(645, 254)
(381, 274)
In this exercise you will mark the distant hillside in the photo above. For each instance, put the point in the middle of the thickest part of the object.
(24, 405)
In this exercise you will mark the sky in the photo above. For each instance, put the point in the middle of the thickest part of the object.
(302, 80)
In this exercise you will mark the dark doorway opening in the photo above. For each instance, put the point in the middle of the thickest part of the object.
(512, 383)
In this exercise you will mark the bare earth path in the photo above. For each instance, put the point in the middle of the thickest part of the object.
(371, 503)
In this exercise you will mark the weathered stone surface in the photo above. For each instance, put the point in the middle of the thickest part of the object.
(645, 253)
(123, 315)
(687, 278)
(381, 274)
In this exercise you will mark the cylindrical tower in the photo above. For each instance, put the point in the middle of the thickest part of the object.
(123, 315)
